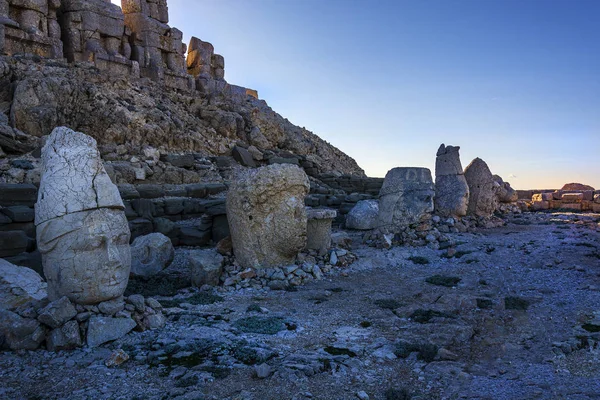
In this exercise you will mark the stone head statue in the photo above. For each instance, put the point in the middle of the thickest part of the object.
(82, 231)
(266, 214)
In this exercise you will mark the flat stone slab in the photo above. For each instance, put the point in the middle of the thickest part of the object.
(105, 329)
(320, 213)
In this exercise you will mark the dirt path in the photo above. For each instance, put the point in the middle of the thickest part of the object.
(519, 318)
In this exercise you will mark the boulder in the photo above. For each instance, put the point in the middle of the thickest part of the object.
(267, 219)
(67, 337)
(150, 254)
(105, 329)
(482, 189)
(18, 333)
(206, 267)
(82, 232)
(505, 193)
(19, 285)
(579, 187)
(451, 189)
(363, 216)
(406, 197)
(57, 313)
(243, 157)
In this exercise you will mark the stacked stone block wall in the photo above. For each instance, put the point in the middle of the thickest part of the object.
(567, 200)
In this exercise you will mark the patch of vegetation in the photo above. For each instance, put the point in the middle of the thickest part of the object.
(397, 394)
(585, 244)
(187, 381)
(515, 303)
(461, 253)
(424, 316)
(247, 355)
(426, 351)
(389, 304)
(200, 298)
(336, 290)
(365, 324)
(253, 308)
(264, 325)
(157, 285)
(419, 260)
(591, 327)
(594, 254)
(483, 282)
(485, 304)
(490, 249)
(190, 355)
(443, 280)
(339, 351)
(471, 261)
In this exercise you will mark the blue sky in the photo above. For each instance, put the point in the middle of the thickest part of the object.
(516, 83)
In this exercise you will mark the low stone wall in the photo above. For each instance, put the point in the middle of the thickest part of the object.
(567, 200)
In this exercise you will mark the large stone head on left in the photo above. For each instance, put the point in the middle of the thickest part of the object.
(82, 231)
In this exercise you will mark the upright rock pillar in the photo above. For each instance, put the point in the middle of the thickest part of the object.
(483, 200)
(451, 189)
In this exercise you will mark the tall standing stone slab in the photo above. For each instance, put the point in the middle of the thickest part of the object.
(405, 198)
(82, 232)
(267, 219)
(483, 200)
(451, 188)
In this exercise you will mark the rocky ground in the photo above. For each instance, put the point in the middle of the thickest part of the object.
(513, 313)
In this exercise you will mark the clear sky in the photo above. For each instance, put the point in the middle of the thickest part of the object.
(514, 82)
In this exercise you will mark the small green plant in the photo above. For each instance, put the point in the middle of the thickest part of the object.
(161, 285)
(425, 351)
(365, 324)
(339, 351)
(418, 260)
(461, 253)
(397, 394)
(253, 308)
(515, 303)
(264, 325)
(424, 316)
(443, 280)
(485, 304)
(200, 298)
(388, 304)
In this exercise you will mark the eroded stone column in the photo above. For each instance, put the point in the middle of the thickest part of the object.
(451, 189)
(483, 200)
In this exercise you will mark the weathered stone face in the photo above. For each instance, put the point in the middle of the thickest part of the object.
(505, 193)
(451, 189)
(86, 255)
(267, 219)
(482, 189)
(405, 197)
(82, 232)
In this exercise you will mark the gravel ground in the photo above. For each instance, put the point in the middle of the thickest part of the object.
(514, 314)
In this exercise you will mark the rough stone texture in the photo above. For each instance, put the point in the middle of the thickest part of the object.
(405, 197)
(45, 95)
(74, 178)
(19, 285)
(18, 333)
(482, 189)
(243, 156)
(57, 313)
(318, 229)
(151, 254)
(267, 219)
(505, 193)
(580, 187)
(451, 189)
(363, 215)
(105, 329)
(206, 267)
(67, 337)
(82, 232)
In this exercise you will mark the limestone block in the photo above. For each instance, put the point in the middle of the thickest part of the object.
(363, 216)
(541, 205)
(57, 313)
(572, 197)
(13, 243)
(267, 219)
(20, 333)
(17, 194)
(66, 337)
(150, 254)
(74, 178)
(557, 195)
(318, 229)
(105, 329)
(405, 197)
(572, 206)
(19, 285)
(243, 156)
(206, 267)
(597, 198)
(483, 200)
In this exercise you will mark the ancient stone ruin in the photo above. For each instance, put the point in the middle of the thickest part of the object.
(451, 188)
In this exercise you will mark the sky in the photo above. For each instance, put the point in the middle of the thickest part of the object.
(514, 82)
